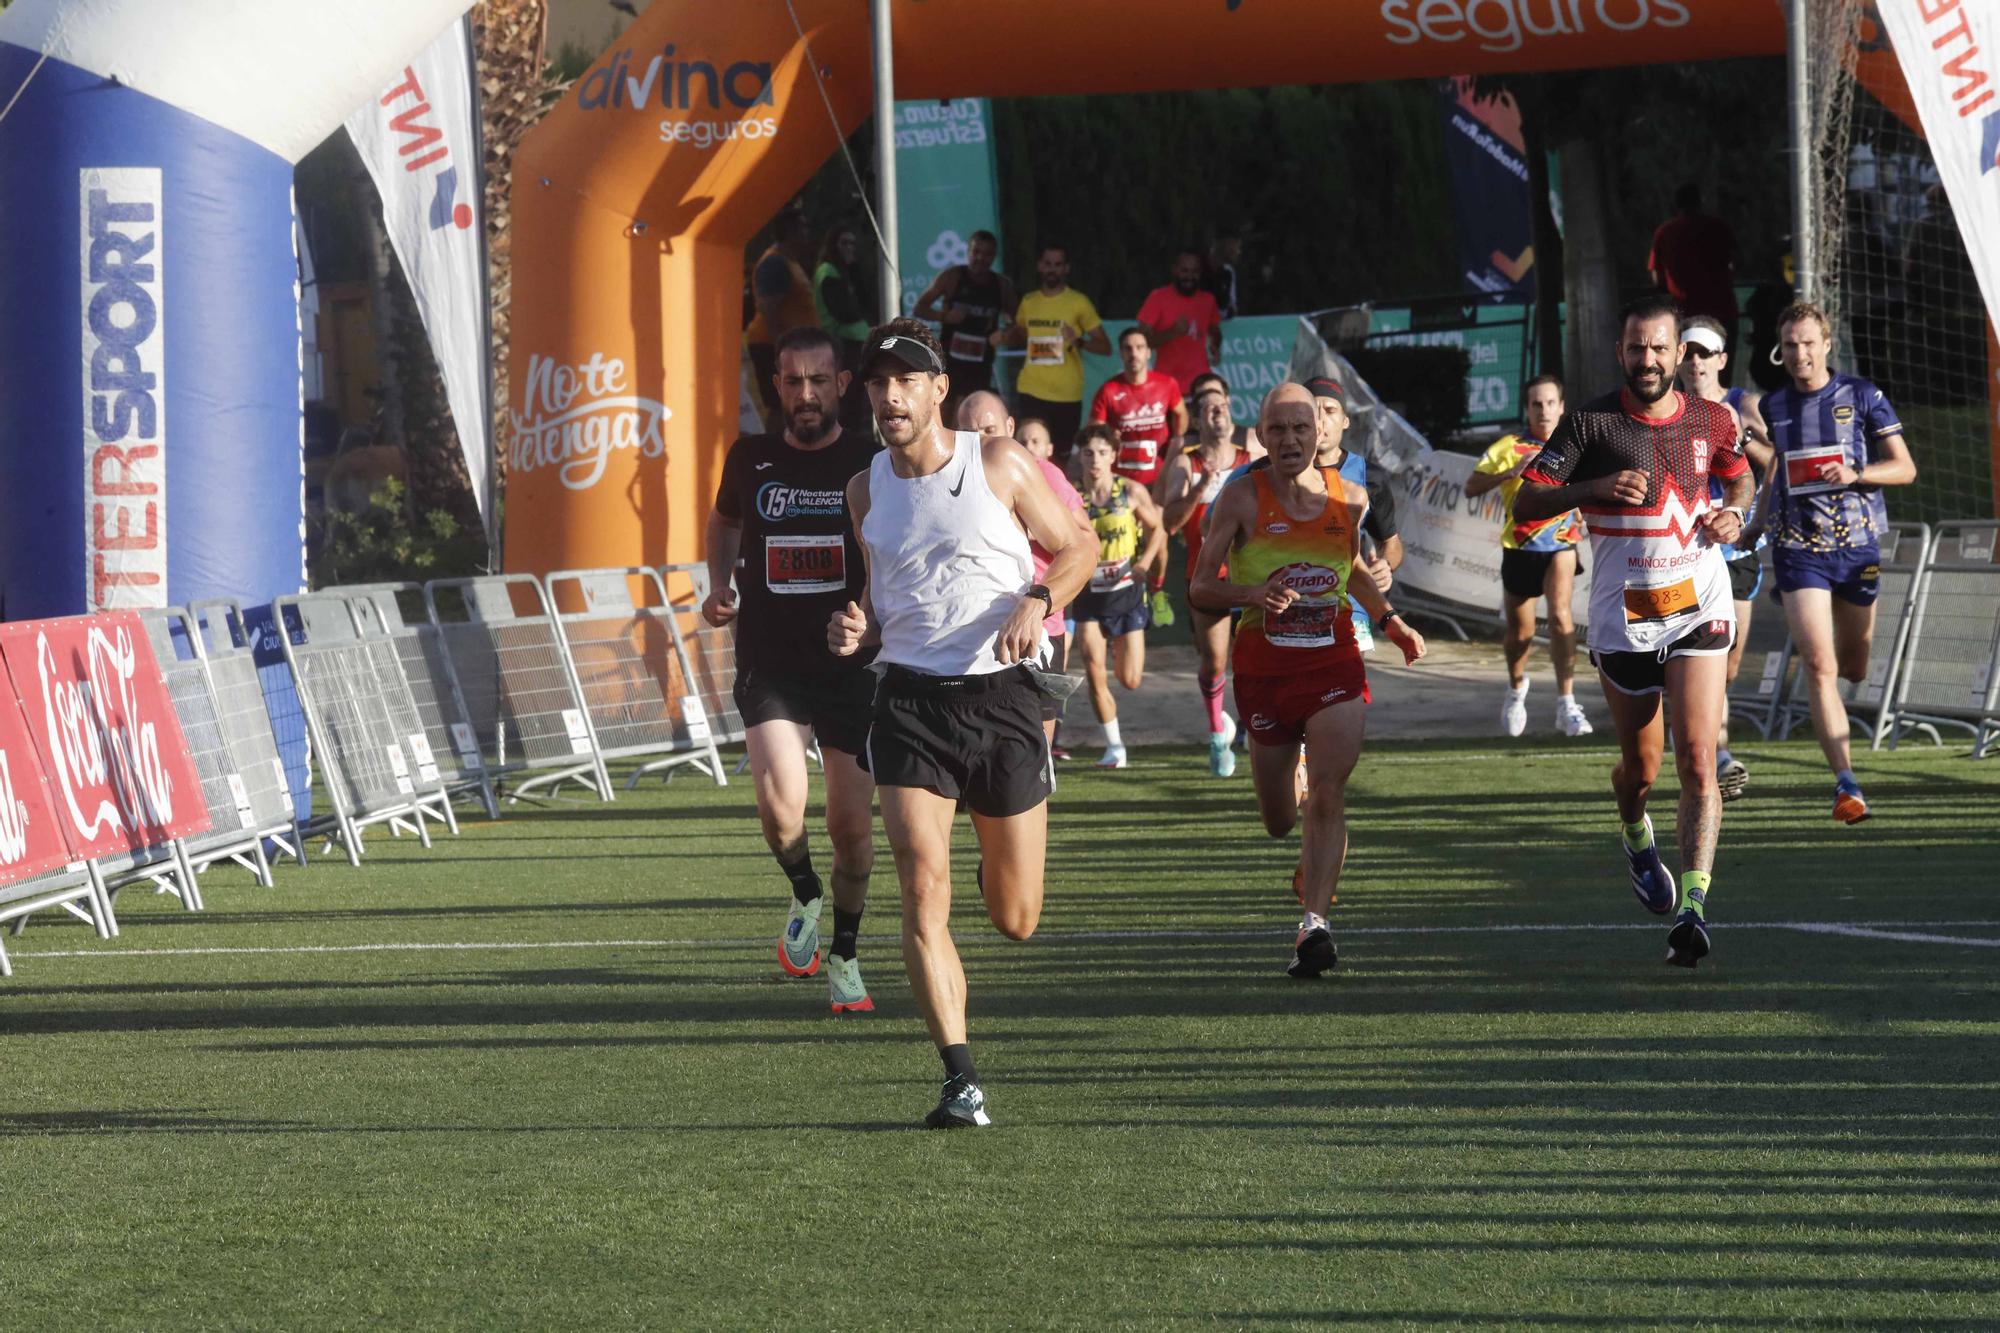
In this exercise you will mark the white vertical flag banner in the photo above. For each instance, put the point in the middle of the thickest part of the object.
(1950, 54)
(420, 142)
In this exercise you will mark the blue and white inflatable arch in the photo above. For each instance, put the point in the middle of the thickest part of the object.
(150, 416)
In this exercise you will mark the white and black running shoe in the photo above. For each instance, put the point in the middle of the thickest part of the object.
(961, 1106)
(1313, 954)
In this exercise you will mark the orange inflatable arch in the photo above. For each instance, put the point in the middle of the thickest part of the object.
(634, 200)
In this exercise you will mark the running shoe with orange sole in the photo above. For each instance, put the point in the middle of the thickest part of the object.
(798, 946)
(1849, 806)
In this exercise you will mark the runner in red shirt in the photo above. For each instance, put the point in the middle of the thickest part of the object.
(1146, 410)
(1183, 322)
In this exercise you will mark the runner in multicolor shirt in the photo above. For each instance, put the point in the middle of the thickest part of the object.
(1537, 560)
(1661, 618)
(1838, 444)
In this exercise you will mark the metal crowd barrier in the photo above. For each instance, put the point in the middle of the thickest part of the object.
(77, 890)
(232, 833)
(515, 681)
(1758, 694)
(1905, 548)
(633, 671)
(1951, 669)
(360, 718)
(226, 646)
(448, 740)
(711, 651)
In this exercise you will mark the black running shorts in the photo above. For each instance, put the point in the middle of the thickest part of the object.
(975, 739)
(1523, 573)
(1646, 673)
(836, 705)
(1746, 578)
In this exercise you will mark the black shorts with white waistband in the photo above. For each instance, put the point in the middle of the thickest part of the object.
(1646, 673)
(977, 740)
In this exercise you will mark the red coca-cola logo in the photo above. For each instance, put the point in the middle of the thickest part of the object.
(102, 741)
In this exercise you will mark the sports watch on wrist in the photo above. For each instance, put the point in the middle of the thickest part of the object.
(1041, 590)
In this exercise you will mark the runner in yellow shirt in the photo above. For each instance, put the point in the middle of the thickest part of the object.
(1537, 560)
(1056, 324)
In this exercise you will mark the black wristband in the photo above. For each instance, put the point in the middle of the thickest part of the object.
(1388, 615)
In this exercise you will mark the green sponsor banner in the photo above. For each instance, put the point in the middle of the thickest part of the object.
(945, 187)
(1495, 342)
(1256, 355)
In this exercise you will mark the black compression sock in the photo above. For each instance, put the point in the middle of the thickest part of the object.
(846, 932)
(797, 863)
(958, 1063)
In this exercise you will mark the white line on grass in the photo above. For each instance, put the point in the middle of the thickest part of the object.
(1862, 932)
(1899, 931)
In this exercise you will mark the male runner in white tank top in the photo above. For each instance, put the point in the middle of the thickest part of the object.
(945, 520)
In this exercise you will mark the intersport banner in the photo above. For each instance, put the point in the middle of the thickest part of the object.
(419, 138)
(31, 841)
(1950, 54)
(944, 187)
(118, 768)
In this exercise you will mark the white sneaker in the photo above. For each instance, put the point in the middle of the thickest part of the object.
(843, 986)
(1514, 713)
(1570, 719)
(1114, 757)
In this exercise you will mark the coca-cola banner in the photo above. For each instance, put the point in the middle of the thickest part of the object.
(31, 841)
(119, 773)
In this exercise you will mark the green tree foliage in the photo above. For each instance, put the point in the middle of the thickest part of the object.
(387, 542)
(1340, 190)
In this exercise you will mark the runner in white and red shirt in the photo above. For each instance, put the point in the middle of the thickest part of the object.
(1146, 409)
(1637, 463)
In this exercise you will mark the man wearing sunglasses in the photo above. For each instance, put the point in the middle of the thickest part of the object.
(1701, 375)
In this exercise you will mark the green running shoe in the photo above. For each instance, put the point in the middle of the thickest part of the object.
(798, 947)
(1160, 609)
(844, 988)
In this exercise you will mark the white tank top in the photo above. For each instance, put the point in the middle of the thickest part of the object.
(946, 563)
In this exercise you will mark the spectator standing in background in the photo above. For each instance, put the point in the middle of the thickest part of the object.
(1183, 323)
(837, 297)
(1057, 324)
(975, 300)
(1693, 260)
(783, 295)
(1223, 253)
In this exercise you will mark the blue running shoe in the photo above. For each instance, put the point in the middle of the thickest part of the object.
(1687, 942)
(1650, 880)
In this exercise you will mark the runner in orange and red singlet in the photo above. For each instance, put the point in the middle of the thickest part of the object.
(1290, 534)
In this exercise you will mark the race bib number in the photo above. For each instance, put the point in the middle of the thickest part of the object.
(1111, 575)
(796, 565)
(1657, 603)
(1802, 470)
(966, 347)
(1306, 625)
(1046, 350)
(1139, 455)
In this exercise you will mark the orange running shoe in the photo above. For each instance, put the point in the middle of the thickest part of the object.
(1849, 806)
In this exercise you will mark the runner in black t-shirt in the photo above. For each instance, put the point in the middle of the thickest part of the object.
(781, 528)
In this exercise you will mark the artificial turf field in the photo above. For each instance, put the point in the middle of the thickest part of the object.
(548, 1075)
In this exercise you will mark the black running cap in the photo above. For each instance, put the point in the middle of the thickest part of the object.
(1323, 387)
(906, 351)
